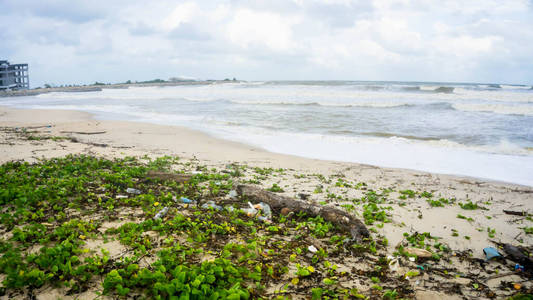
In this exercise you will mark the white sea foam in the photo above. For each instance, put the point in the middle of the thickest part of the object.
(508, 109)
(441, 156)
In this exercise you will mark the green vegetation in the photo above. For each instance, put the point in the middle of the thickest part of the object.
(56, 209)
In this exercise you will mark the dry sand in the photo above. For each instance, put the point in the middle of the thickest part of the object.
(138, 139)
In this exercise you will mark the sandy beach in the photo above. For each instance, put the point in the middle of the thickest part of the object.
(465, 231)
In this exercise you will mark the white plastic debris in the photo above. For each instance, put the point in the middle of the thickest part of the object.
(133, 191)
(161, 213)
(251, 211)
(212, 204)
(121, 197)
(312, 249)
(394, 263)
(232, 194)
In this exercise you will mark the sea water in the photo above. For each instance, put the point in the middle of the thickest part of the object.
(478, 130)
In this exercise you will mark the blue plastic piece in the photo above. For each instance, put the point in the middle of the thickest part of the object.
(491, 253)
(519, 267)
(185, 200)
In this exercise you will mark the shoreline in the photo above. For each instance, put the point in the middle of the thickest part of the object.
(413, 200)
(99, 87)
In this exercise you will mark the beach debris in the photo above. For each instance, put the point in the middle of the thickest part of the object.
(253, 210)
(133, 191)
(516, 213)
(232, 194)
(161, 213)
(83, 132)
(121, 197)
(519, 267)
(312, 249)
(517, 286)
(517, 256)
(491, 253)
(212, 204)
(180, 178)
(186, 200)
(394, 263)
(422, 253)
(341, 218)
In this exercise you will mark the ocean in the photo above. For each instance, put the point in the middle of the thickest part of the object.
(478, 130)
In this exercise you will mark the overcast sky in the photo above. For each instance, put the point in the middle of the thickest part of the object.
(68, 42)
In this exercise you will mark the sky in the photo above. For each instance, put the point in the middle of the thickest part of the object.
(80, 42)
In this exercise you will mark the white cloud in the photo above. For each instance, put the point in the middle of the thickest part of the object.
(448, 40)
(251, 28)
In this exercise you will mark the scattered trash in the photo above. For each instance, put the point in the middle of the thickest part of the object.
(251, 211)
(519, 267)
(161, 213)
(517, 256)
(422, 253)
(420, 267)
(121, 197)
(133, 191)
(232, 194)
(517, 286)
(265, 208)
(491, 253)
(212, 204)
(186, 200)
(394, 263)
(312, 249)
(412, 259)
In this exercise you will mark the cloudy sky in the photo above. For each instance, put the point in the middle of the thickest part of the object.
(68, 41)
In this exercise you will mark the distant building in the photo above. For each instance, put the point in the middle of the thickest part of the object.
(13, 77)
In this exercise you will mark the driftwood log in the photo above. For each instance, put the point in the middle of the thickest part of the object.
(344, 220)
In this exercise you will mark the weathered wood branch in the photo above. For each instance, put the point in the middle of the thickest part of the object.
(516, 213)
(341, 218)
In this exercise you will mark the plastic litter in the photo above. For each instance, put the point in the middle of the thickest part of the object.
(121, 197)
(186, 200)
(232, 194)
(519, 267)
(312, 249)
(491, 253)
(251, 211)
(422, 253)
(394, 263)
(212, 204)
(265, 208)
(161, 213)
(420, 267)
(133, 191)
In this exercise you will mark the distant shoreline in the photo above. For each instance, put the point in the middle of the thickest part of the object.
(98, 87)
